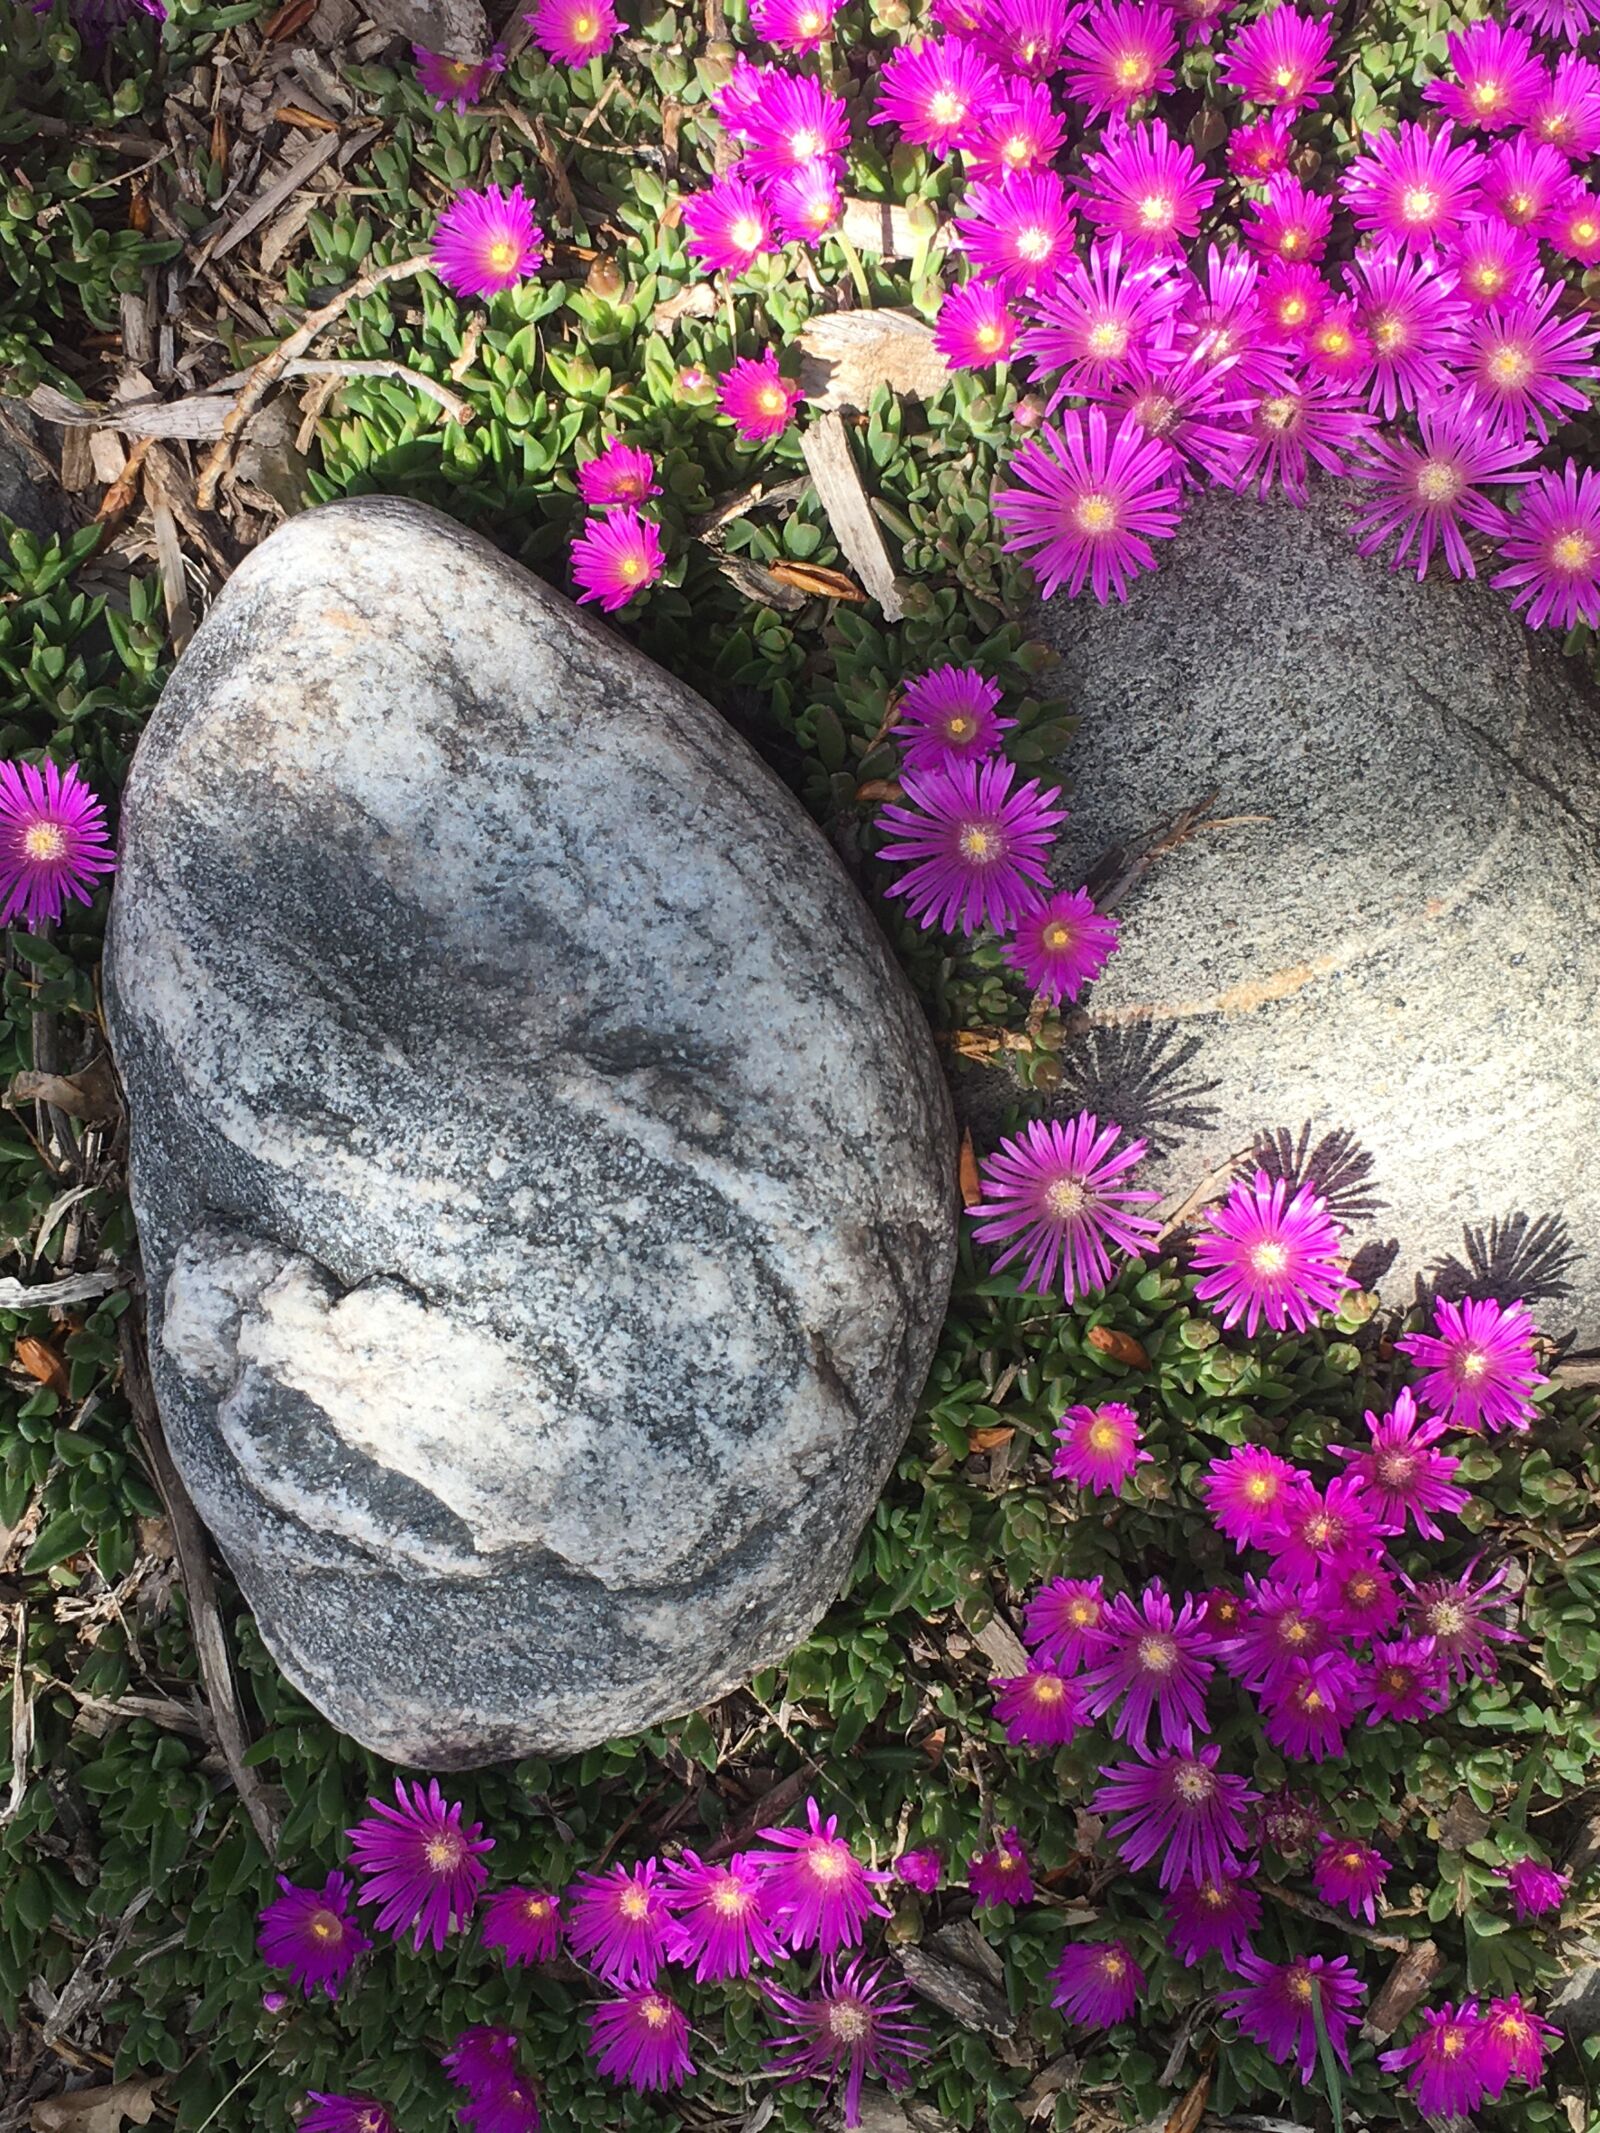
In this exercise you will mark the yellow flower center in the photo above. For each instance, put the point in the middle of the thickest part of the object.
(848, 2022)
(1484, 95)
(1157, 1655)
(1261, 1488)
(1083, 1613)
(1437, 483)
(1294, 1629)
(1278, 413)
(502, 255)
(1212, 1893)
(1095, 513)
(1454, 2041)
(325, 1926)
(1389, 333)
(1419, 204)
(956, 727)
(1132, 69)
(1065, 1198)
(804, 143)
(1519, 207)
(634, 1903)
(1397, 1681)
(1057, 937)
(1112, 1965)
(1157, 211)
(1033, 243)
(444, 1853)
(1292, 311)
(978, 844)
(1509, 365)
(731, 1900)
(632, 568)
(1353, 1861)
(772, 400)
(1016, 150)
(1585, 230)
(746, 232)
(1311, 1700)
(1486, 279)
(1103, 1437)
(44, 841)
(1572, 552)
(829, 1862)
(1284, 78)
(1299, 1984)
(457, 71)
(990, 338)
(946, 109)
(657, 2013)
(1046, 1689)
(1194, 1783)
(536, 1907)
(1269, 1258)
(1334, 341)
(1446, 1618)
(585, 26)
(1109, 338)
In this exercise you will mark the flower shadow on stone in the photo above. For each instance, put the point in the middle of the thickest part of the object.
(1140, 1077)
(1521, 1258)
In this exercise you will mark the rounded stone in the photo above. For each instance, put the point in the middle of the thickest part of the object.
(544, 1175)
(1378, 956)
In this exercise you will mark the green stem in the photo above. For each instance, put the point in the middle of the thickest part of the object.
(858, 273)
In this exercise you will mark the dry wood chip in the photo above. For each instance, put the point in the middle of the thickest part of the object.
(106, 455)
(849, 354)
(826, 449)
(21, 1719)
(266, 205)
(698, 300)
(757, 583)
(77, 462)
(876, 226)
(48, 1295)
(975, 2003)
(1400, 1991)
(1000, 1644)
(107, 2110)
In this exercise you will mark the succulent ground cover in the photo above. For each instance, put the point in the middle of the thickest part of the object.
(135, 1866)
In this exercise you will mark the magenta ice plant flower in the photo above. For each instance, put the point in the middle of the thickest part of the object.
(1413, 186)
(1017, 231)
(310, 1933)
(1574, 228)
(1267, 1254)
(1461, 1618)
(1278, 2002)
(1572, 20)
(457, 82)
(618, 474)
(718, 1925)
(806, 204)
(1321, 1531)
(525, 1924)
(757, 398)
(1552, 556)
(572, 32)
(1175, 1805)
(1432, 492)
(1350, 1874)
(1099, 1447)
(1404, 1679)
(617, 556)
(1293, 298)
(1062, 945)
(1492, 261)
(1360, 1600)
(1039, 1709)
(1021, 37)
(1444, 2063)
(1244, 1490)
(1282, 59)
(1146, 188)
(1289, 221)
(815, 1888)
(1118, 51)
(1002, 1874)
(949, 714)
(728, 225)
(1057, 1192)
(1497, 77)
(938, 91)
(1566, 107)
(343, 2114)
(641, 2041)
(1536, 1889)
(1513, 2045)
(921, 1869)
(1260, 150)
(1282, 1626)
(1298, 423)
(1025, 132)
(1308, 1709)
(1085, 503)
(1213, 1915)
(617, 1922)
(1523, 361)
(1149, 1660)
(1061, 1623)
(1104, 311)
(419, 1862)
(793, 25)
(1477, 1365)
(1410, 310)
(975, 327)
(53, 842)
(793, 124)
(1096, 1983)
(486, 241)
(1405, 1476)
(481, 2057)
(1194, 405)
(974, 844)
(856, 2021)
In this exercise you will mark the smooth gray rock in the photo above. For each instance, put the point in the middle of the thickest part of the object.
(27, 496)
(1390, 929)
(544, 1175)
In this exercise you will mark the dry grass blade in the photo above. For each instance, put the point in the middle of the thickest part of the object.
(263, 208)
(454, 406)
(21, 1719)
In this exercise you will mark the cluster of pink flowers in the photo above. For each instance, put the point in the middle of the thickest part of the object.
(800, 1892)
(618, 553)
(783, 187)
(1327, 1632)
(1432, 368)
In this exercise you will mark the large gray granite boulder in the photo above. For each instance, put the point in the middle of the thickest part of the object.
(544, 1176)
(1385, 945)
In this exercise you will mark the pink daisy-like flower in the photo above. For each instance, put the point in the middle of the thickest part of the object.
(1320, 1532)
(511, 2106)
(1176, 1804)
(1477, 1364)
(1039, 1709)
(1513, 2044)
(1061, 1623)
(1566, 111)
(1213, 1915)
(1062, 946)
(1459, 1618)
(975, 327)
(343, 2114)
(1096, 1983)
(757, 398)
(486, 241)
(1282, 1627)
(736, 100)
(793, 25)
(949, 714)
(309, 1933)
(856, 2021)
(1536, 1889)
(1222, 1612)
(1098, 1447)
(1492, 261)
(1260, 150)
(1413, 186)
(1266, 1255)
(728, 225)
(1281, 59)
(1222, 320)
(641, 2041)
(1360, 1600)
(573, 32)
(525, 1924)
(1497, 77)
(922, 1869)
(457, 82)
(806, 205)
(481, 2057)
(52, 842)
(620, 474)
(1521, 362)
(617, 1922)
(1292, 222)
(616, 557)
(1552, 553)
(1574, 228)
(1293, 297)
(1308, 1709)
(1022, 37)
(1189, 402)
(1404, 1680)
(1244, 1491)
(1149, 1660)
(1084, 504)
(1523, 181)
(975, 851)
(1572, 20)
(1026, 132)
(1103, 312)
(1277, 2006)
(1444, 2062)
(938, 92)
(1018, 231)
(794, 123)
(1348, 1872)
(1412, 316)
(419, 1862)
(1337, 348)
(1146, 188)
(1405, 1476)
(816, 1890)
(1001, 1875)
(1200, 18)
(718, 1923)
(1056, 1192)
(1119, 51)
